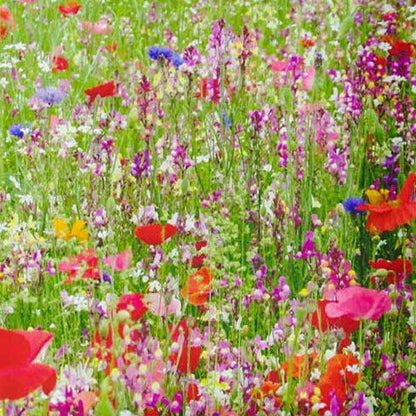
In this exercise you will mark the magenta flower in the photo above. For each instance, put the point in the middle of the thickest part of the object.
(357, 303)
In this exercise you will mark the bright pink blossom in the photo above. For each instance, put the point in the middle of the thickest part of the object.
(356, 302)
(120, 261)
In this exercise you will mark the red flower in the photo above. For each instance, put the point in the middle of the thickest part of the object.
(321, 321)
(154, 234)
(108, 89)
(19, 376)
(388, 215)
(86, 261)
(72, 7)
(357, 303)
(132, 303)
(187, 357)
(198, 259)
(397, 269)
(59, 63)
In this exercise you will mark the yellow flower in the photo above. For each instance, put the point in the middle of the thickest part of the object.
(78, 230)
(377, 197)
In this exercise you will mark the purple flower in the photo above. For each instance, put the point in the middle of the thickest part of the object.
(50, 95)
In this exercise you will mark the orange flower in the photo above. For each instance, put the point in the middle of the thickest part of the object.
(72, 7)
(387, 215)
(342, 373)
(198, 287)
(154, 234)
(301, 365)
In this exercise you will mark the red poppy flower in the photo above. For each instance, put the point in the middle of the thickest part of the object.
(108, 89)
(397, 269)
(154, 234)
(133, 303)
(59, 64)
(86, 261)
(388, 215)
(187, 357)
(198, 287)
(321, 321)
(71, 7)
(198, 259)
(19, 376)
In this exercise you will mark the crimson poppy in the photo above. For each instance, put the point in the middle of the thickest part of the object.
(187, 358)
(108, 89)
(154, 234)
(387, 215)
(19, 375)
(59, 63)
(397, 269)
(71, 7)
(133, 303)
(321, 321)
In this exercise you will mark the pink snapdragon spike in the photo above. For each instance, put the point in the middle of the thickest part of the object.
(357, 303)
(308, 78)
(120, 261)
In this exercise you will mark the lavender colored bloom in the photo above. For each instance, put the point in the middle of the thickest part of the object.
(50, 95)
(351, 204)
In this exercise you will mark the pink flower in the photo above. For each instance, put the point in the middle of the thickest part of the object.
(120, 261)
(99, 28)
(308, 78)
(356, 302)
(157, 305)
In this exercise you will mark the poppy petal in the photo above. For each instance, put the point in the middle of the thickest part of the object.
(18, 382)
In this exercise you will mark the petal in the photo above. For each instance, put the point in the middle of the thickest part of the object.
(14, 349)
(79, 231)
(18, 382)
(37, 341)
(61, 228)
(407, 189)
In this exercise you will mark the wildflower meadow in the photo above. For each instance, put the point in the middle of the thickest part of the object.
(207, 208)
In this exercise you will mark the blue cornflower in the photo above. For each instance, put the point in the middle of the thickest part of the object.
(17, 130)
(177, 60)
(155, 53)
(225, 119)
(50, 95)
(351, 204)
